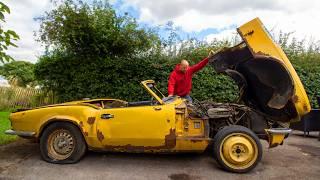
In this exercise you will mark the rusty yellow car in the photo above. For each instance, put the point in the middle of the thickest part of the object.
(271, 96)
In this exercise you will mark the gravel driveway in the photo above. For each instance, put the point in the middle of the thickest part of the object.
(299, 158)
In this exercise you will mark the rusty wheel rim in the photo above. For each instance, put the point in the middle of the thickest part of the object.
(61, 144)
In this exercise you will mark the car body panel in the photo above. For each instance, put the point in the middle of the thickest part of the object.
(153, 128)
(267, 80)
(260, 42)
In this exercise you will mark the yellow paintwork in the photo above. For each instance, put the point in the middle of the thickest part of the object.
(274, 139)
(148, 128)
(260, 42)
(243, 143)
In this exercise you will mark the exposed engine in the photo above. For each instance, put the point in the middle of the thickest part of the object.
(225, 114)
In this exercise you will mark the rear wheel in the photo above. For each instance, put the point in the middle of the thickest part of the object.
(237, 149)
(62, 143)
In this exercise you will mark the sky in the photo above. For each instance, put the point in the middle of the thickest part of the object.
(204, 19)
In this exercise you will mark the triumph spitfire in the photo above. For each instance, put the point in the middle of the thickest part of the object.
(271, 96)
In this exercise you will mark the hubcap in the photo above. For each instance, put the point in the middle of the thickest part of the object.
(60, 144)
(238, 150)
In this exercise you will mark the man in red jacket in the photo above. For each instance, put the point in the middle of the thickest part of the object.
(180, 80)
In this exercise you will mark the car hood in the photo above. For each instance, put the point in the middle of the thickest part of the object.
(267, 80)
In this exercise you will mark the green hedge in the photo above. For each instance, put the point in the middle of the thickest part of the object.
(93, 52)
(120, 78)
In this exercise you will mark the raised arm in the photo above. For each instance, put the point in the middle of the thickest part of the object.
(200, 65)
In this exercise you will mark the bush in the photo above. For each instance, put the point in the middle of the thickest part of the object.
(92, 52)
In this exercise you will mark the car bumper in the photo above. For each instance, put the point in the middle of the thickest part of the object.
(20, 133)
(277, 135)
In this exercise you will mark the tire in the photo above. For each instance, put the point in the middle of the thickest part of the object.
(237, 149)
(62, 143)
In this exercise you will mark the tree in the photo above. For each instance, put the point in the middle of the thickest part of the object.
(6, 36)
(92, 31)
(18, 73)
(91, 49)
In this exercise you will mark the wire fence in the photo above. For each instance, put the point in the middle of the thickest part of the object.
(17, 97)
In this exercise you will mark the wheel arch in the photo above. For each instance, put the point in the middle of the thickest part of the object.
(69, 120)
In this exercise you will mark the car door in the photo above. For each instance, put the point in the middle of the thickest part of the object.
(137, 128)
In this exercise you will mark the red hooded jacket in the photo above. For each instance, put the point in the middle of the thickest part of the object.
(180, 83)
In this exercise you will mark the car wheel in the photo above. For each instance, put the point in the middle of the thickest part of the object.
(62, 143)
(237, 149)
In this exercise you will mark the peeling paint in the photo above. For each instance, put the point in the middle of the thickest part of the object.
(295, 99)
(170, 143)
(261, 54)
(100, 136)
(91, 120)
(81, 124)
(249, 33)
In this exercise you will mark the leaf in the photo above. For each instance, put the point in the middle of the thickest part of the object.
(13, 34)
(2, 17)
(4, 7)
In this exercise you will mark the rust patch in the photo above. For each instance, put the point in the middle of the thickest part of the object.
(170, 139)
(100, 136)
(91, 120)
(81, 124)
(249, 33)
(261, 53)
(295, 99)
(170, 143)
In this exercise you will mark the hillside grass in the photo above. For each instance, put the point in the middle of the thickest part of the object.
(4, 125)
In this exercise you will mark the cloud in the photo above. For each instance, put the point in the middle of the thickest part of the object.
(192, 16)
(297, 16)
(168, 9)
(21, 20)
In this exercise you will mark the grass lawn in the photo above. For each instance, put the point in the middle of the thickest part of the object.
(4, 125)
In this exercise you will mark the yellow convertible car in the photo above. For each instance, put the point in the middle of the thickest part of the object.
(271, 96)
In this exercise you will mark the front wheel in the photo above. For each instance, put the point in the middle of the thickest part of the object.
(237, 149)
(62, 143)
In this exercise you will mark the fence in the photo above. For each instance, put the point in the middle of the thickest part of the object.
(17, 97)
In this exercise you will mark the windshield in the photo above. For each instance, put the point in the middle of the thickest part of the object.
(155, 90)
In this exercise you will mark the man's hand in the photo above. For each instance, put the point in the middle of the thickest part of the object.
(211, 53)
(170, 95)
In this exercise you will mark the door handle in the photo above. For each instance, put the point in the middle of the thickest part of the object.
(157, 108)
(107, 116)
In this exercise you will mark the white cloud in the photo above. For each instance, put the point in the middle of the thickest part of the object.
(299, 16)
(21, 20)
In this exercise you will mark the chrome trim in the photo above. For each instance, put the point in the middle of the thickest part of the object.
(279, 130)
(20, 133)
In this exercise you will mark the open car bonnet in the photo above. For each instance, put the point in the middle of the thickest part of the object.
(266, 78)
